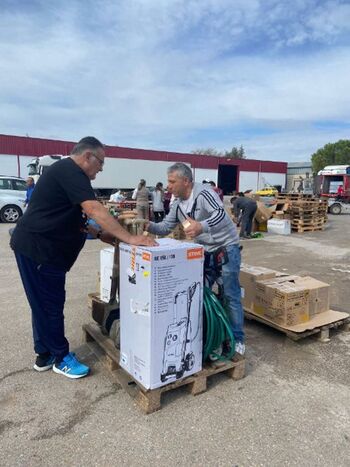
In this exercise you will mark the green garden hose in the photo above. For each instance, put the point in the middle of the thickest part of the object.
(217, 327)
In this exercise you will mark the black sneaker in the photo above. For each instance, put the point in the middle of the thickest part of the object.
(44, 362)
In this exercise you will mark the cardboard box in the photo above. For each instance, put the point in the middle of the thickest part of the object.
(319, 294)
(106, 268)
(161, 296)
(282, 300)
(262, 227)
(248, 277)
(279, 226)
(263, 213)
(252, 195)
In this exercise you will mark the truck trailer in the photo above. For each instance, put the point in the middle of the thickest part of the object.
(333, 176)
(117, 174)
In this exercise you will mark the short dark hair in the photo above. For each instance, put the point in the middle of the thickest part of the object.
(89, 142)
(141, 184)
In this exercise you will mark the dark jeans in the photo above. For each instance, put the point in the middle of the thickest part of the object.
(228, 280)
(247, 221)
(158, 216)
(45, 289)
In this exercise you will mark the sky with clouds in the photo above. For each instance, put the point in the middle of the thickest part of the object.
(176, 75)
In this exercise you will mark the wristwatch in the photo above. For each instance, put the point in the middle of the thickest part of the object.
(99, 233)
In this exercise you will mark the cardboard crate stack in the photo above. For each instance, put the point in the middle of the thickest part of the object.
(262, 215)
(306, 213)
(282, 299)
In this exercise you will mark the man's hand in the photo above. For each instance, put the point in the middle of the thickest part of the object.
(194, 229)
(142, 240)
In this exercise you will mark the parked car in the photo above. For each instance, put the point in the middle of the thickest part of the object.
(267, 191)
(12, 198)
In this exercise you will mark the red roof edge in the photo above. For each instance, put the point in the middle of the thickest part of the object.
(28, 146)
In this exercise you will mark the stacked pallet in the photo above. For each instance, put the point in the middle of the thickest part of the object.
(308, 215)
(294, 197)
(306, 212)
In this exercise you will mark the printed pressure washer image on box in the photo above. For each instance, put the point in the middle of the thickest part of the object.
(161, 300)
(178, 356)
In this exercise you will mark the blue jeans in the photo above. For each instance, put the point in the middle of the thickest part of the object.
(45, 289)
(227, 278)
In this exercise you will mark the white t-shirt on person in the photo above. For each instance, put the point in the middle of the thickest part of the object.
(157, 198)
(187, 204)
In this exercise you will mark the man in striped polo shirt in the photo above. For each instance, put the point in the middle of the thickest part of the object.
(205, 220)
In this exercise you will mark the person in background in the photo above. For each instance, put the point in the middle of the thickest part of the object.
(141, 194)
(340, 193)
(158, 202)
(30, 188)
(301, 185)
(47, 241)
(244, 209)
(217, 190)
(199, 206)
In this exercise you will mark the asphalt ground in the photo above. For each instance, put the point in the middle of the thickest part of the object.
(292, 408)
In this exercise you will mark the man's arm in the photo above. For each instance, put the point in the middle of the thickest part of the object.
(27, 199)
(237, 208)
(169, 222)
(96, 211)
(211, 202)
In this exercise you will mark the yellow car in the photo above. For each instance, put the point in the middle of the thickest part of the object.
(267, 191)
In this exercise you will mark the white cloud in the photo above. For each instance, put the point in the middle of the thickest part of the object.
(158, 74)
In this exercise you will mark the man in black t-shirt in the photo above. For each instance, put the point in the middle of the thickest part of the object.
(47, 241)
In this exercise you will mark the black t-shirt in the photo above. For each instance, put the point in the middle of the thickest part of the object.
(51, 229)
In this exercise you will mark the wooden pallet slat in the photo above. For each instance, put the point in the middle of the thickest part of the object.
(307, 229)
(311, 222)
(149, 400)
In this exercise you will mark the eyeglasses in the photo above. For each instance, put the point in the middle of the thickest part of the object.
(101, 161)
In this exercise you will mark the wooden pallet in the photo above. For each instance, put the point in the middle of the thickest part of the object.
(302, 223)
(149, 400)
(310, 228)
(307, 219)
(296, 197)
(308, 208)
(308, 222)
(323, 331)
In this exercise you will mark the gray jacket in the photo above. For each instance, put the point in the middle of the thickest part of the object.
(218, 228)
(244, 204)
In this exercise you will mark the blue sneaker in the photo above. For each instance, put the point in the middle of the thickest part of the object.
(71, 367)
(44, 362)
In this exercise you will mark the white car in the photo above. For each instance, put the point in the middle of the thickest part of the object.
(12, 198)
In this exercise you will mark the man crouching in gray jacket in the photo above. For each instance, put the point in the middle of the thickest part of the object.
(208, 224)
